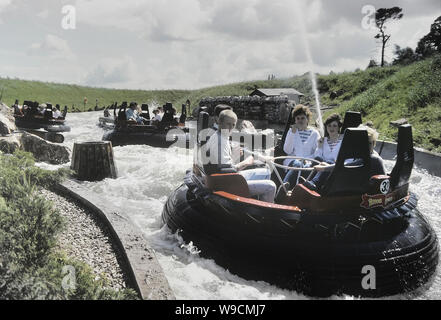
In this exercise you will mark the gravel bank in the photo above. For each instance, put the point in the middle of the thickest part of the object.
(86, 239)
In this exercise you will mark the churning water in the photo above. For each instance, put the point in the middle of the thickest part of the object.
(147, 175)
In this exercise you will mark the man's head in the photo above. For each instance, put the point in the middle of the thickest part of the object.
(227, 121)
(218, 109)
(133, 105)
(155, 112)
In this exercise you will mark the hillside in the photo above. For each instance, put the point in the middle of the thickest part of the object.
(386, 94)
(67, 94)
(380, 94)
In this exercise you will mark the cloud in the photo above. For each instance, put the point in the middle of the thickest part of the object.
(189, 44)
(53, 47)
(167, 20)
(43, 14)
(111, 71)
(4, 4)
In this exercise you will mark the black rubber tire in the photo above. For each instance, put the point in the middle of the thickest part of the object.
(315, 267)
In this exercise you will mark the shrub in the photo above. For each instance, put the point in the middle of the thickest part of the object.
(30, 268)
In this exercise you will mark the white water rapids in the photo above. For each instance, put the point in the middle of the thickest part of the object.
(147, 175)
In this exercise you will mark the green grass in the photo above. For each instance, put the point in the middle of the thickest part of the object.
(412, 92)
(65, 94)
(73, 95)
(30, 265)
(381, 94)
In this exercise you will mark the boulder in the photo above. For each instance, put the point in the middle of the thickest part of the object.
(43, 150)
(398, 122)
(10, 143)
(7, 122)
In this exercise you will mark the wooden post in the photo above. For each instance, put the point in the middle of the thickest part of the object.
(93, 161)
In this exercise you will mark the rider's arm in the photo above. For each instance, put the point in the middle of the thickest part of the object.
(288, 147)
(324, 167)
(242, 165)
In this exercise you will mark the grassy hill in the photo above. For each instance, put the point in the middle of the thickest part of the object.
(67, 94)
(380, 94)
(384, 94)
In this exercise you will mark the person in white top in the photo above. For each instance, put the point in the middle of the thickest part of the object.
(56, 113)
(217, 154)
(329, 146)
(301, 141)
(157, 117)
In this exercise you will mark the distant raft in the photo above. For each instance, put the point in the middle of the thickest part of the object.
(168, 132)
(39, 119)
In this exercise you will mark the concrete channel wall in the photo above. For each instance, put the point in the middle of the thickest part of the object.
(145, 271)
(423, 159)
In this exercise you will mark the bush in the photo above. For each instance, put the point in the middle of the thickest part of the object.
(30, 268)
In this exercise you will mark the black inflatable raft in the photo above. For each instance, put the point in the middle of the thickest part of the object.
(164, 134)
(43, 125)
(361, 236)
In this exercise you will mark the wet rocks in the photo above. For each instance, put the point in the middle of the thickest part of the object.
(10, 140)
(10, 143)
(7, 122)
(43, 150)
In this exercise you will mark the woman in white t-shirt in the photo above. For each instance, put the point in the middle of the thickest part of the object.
(301, 141)
(329, 146)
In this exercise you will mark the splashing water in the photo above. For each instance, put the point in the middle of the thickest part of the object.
(301, 24)
(148, 175)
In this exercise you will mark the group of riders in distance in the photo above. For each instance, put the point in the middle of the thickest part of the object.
(31, 109)
(136, 114)
(301, 141)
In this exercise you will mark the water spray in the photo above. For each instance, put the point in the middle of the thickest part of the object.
(302, 27)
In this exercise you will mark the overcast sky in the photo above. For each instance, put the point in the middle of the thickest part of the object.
(188, 44)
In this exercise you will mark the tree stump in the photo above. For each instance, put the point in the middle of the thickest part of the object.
(93, 161)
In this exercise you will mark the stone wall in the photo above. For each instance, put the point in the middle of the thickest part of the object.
(272, 109)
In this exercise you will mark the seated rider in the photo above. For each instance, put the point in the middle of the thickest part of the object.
(17, 109)
(324, 168)
(329, 146)
(301, 141)
(217, 154)
(156, 117)
(217, 110)
(132, 114)
(57, 113)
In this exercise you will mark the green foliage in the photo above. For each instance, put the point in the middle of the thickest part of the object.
(348, 85)
(431, 43)
(412, 92)
(30, 268)
(428, 86)
(404, 56)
